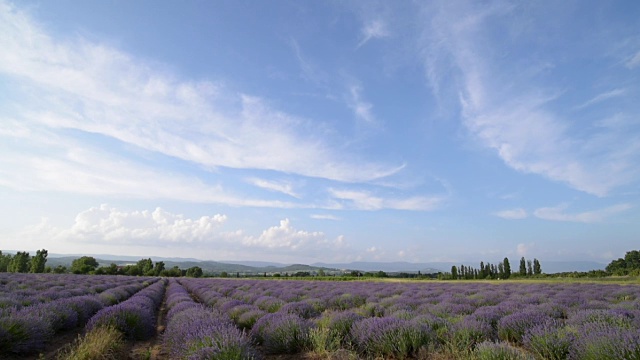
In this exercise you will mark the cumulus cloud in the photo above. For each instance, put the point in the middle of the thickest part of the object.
(524, 249)
(284, 236)
(104, 227)
(106, 224)
(512, 214)
(558, 213)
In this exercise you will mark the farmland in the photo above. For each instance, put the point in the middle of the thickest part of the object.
(190, 318)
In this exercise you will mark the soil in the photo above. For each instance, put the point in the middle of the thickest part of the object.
(152, 349)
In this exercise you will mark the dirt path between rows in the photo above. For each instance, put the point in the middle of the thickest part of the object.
(152, 349)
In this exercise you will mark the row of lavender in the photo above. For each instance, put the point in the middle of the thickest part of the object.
(195, 331)
(26, 329)
(18, 290)
(550, 321)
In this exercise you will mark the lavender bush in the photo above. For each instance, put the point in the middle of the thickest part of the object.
(281, 333)
(390, 337)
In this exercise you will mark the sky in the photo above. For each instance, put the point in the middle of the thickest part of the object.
(332, 131)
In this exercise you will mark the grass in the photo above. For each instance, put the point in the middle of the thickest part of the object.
(101, 343)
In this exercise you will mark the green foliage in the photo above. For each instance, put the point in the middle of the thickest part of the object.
(38, 261)
(158, 268)
(194, 272)
(84, 265)
(19, 263)
(507, 268)
(537, 270)
(523, 267)
(629, 265)
(5, 260)
(173, 272)
(104, 343)
(145, 266)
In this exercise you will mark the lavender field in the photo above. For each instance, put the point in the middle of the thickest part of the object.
(256, 319)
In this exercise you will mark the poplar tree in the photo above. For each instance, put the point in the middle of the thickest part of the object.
(507, 268)
(537, 270)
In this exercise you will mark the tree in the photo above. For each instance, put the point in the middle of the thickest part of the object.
(146, 267)
(454, 272)
(321, 272)
(507, 268)
(224, 274)
(84, 265)
(60, 269)
(5, 260)
(523, 267)
(629, 265)
(501, 270)
(537, 270)
(38, 261)
(529, 268)
(173, 272)
(19, 263)
(194, 271)
(158, 268)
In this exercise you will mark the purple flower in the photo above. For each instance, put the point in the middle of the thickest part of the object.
(281, 333)
(390, 337)
(513, 327)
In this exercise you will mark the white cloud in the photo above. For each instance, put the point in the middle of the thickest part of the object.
(557, 213)
(364, 200)
(93, 88)
(633, 61)
(360, 107)
(519, 122)
(325, 217)
(284, 236)
(374, 29)
(602, 97)
(105, 224)
(104, 228)
(524, 249)
(283, 187)
(512, 214)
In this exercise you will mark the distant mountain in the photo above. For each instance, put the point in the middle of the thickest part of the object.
(398, 266)
(548, 267)
(259, 267)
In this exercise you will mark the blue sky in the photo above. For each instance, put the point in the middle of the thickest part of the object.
(321, 131)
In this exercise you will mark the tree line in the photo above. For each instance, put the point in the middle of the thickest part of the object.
(21, 262)
(502, 270)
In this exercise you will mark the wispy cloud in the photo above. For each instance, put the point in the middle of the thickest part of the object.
(325, 217)
(602, 97)
(93, 88)
(360, 107)
(365, 200)
(373, 29)
(519, 122)
(633, 61)
(558, 213)
(512, 214)
(283, 187)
